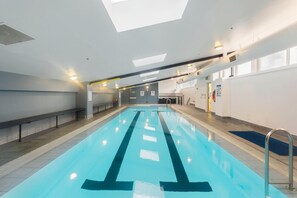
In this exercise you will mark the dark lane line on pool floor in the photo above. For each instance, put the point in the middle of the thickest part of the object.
(183, 184)
(110, 182)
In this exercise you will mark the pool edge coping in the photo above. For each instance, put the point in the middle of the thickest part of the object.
(274, 163)
(17, 163)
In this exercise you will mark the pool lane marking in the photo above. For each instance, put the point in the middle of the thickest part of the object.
(110, 182)
(183, 184)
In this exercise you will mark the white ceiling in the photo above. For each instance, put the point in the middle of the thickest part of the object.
(78, 36)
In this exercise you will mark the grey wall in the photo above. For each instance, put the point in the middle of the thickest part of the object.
(18, 104)
(17, 82)
(135, 92)
(99, 98)
(103, 95)
(24, 96)
(84, 99)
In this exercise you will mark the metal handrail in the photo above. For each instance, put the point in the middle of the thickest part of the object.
(168, 99)
(290, 139)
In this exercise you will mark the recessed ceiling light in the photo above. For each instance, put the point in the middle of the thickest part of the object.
(218, 47)
(149, 73)
(190, 66)
(149, 79)
(149, 60)
(73, 77)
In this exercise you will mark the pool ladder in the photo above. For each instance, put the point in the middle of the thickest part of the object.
(290, 139)
(167, 101)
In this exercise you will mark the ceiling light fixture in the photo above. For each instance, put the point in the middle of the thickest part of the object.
(190, 66)
(149, 79)
(149, 73)
(149, 60)
(218, 47)
(73, 77)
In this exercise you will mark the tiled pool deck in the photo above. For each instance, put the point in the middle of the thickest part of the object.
(19, 161)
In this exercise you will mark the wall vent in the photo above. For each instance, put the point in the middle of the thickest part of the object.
(232, 58)
(10, 36)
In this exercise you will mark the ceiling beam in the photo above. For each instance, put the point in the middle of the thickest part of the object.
(151, 82)
(159, 68)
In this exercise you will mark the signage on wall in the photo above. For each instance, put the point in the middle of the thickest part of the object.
(219, 90)
(141, 93)
(152, 93)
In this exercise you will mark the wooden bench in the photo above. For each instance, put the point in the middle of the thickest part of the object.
(28, 120)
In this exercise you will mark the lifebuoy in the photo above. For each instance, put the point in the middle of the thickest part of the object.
(213, 95)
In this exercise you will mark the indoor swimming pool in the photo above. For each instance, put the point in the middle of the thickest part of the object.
(145, 152)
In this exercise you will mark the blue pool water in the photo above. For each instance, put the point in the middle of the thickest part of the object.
(145, 152)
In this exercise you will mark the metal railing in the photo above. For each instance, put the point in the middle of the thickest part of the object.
(167, 101)
(290, 181)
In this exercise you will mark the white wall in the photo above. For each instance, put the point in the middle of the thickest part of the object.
(189, 93)
(201, 95)
(266, 98)
(167, 86)
(222, 105)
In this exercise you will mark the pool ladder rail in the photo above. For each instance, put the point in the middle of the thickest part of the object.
(167, 101)
(290, 181)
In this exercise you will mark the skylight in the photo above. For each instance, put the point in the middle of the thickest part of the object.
(133, 14)
(149, 60)
(149, 73)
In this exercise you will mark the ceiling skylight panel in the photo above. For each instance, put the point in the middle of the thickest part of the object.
(132, 14)
(149, 60)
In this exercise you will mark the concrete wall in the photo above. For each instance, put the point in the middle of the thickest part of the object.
(24, 96)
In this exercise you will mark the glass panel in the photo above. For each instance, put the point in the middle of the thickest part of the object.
(274, 60)
(293, 55)
(244, 68)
